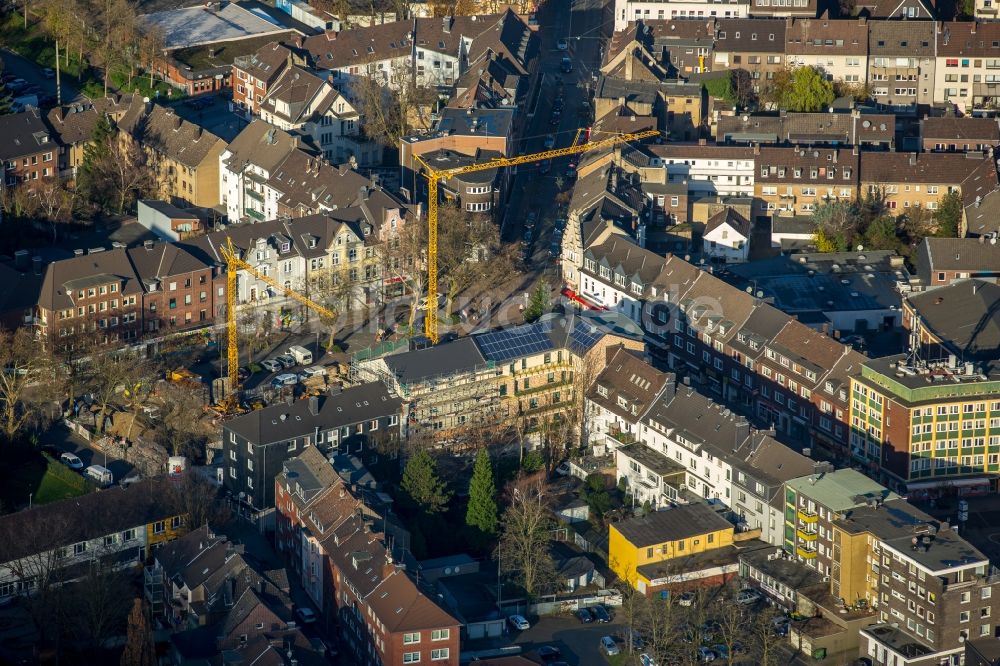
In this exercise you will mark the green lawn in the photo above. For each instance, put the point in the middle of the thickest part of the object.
(30, 43)
(28, 472)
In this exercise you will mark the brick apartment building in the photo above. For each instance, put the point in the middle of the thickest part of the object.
(179, 289)
(28, 151)
(253, 74)
(348, 566)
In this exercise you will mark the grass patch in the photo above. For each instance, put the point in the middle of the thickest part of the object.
(140, 85)
(33, 44)
(620, 659)
(28, 472)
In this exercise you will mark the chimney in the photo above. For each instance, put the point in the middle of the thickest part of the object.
(36, 264)
(314, 405)
(331, 35)
(299, 41)
(22, 259)
(148, 244)
(446, 24)
(913, 159)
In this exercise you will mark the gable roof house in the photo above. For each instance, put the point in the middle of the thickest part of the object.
(183, 155)
(55, 543)
(901, 55)
(74, 124)
(99, 289)
(941, 261)
(253, 74)
(348, 562)
(727, 237)
(27, 151)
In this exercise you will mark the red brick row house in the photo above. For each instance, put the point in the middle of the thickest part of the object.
(346, 564)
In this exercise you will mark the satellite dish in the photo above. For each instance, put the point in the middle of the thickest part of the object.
(860, 248)
(749, 290)
(866, 124)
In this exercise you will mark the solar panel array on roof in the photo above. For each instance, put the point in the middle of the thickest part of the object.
(583, 337)
(500, 346)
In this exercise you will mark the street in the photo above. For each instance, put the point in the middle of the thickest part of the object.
(582, 25)
(32, 73)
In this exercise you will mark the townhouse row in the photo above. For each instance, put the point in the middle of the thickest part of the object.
(903, 64)
(796, 180)
(345, 554)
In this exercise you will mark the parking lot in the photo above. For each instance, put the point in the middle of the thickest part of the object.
(580, 644)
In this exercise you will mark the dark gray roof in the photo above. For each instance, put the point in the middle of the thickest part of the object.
(731, 217)
(475, 122)
(281, 422)
(789, 572)
(965, 316)
(672, 524)
(896, 522)
(420, 364)
(89, 516)
(23, 134)
(962, 254)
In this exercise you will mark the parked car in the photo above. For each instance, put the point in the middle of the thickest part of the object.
(687, 599)
(570, 171)
(646, 660)
(706, 655)
(519, 622)
(548, 653)
(562, 44)
(313, 371)
(563, 470)
(781, 625)
(609, 646)
(584, 616)
(747, 597)
(286, 360)
(17, 85)
(305, 614)
(242, 373)
(271, 365)
(600, 613)
(72, 461)
(285, 379)
(721, 651)
(528, 236)
(566, 65)
(49, 73)
(550, 142)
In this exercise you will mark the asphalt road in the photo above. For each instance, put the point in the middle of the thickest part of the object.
(32, 73)
(62, 438)
(582, 23)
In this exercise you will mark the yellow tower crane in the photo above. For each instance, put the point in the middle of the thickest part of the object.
(434, 176)
(233, 264)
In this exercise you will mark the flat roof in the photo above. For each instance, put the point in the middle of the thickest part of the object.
(680, 522)
(205, 24)
(897, 523)
(651, 459)
(783, 569)
(841, 489)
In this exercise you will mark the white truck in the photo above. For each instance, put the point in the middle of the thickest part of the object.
(301, 355)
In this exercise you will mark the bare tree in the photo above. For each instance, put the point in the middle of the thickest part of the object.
(469, 252)
(23, 363)
(53, 202)
(110, 376)
(765, 644)
(197, 497)
(391, 103)
(179, 429)
(524, 539)
(99, 602)
(139, 647)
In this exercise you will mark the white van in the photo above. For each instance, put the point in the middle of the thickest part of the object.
(301, 355)
(314, 371)
(102, 476)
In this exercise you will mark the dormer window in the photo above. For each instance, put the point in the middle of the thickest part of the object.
(312, 242)
(285, 247)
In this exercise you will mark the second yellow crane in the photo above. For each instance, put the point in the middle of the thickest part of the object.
(233, 264)
(435, 176)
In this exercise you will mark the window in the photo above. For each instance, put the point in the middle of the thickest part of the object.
(411, 657)
(439, 654)
(440, 634)
(159, 527)
(410, 639)
(80, 548)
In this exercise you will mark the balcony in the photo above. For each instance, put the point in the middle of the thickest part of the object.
(807, 517)
(255, 214)
(622, 437)
(253, 194)
(805, 553)
(806, 536)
